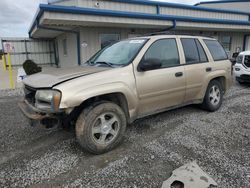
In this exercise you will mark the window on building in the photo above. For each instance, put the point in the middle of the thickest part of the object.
(65, 47)
(216, 50)
(107, 39)
(226, 43)
(165, 51)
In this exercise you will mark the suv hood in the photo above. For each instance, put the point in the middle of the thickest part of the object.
(50, 78)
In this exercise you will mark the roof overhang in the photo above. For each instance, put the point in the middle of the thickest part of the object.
(72, 17)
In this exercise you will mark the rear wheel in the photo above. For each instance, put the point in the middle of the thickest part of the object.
(214, 96)
(101, 127)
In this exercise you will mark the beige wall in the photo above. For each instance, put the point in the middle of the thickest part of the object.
(91, 36)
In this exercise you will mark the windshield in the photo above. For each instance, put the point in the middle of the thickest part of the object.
(118, 54)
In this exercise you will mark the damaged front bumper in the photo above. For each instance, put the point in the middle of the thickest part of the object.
(36, 115)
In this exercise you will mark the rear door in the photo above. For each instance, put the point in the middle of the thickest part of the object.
(196, 68)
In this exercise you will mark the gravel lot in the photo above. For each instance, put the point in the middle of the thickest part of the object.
(153, 147)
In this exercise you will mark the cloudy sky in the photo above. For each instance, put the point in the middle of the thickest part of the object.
(16, 15)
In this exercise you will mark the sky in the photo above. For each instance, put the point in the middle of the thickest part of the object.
(16, 15)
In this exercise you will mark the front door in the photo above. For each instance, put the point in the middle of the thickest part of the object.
(164, 86)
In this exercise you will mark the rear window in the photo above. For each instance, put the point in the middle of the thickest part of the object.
(217, 51)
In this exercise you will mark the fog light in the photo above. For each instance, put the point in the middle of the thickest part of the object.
(237, 69)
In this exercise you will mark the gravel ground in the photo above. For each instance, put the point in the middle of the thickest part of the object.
(153, 147)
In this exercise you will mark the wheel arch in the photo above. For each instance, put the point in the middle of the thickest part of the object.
(116, 97)
(221, 78)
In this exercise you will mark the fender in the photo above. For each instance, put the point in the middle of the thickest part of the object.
(116, 87)
(211, 76)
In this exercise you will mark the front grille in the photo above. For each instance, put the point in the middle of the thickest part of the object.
(245, 77)
(247, 61)
(30, 93)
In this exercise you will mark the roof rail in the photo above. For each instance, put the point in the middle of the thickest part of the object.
(174, 33)
(158, 33)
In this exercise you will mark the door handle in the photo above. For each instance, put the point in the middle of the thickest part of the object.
(178, 74)
(208, 69)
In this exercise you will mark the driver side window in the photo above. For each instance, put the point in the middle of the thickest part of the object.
(165, 51)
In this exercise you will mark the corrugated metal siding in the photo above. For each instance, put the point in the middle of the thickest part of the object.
(202, 14)
(117, 6)
(237, 41)
(41, 52)
(241, 6)
(67, 3)
(101, 20)
(110, 5)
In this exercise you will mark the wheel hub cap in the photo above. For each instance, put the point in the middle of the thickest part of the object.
(105, 128)
(214, 95)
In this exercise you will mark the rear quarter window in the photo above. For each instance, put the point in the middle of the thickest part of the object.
(217, 51)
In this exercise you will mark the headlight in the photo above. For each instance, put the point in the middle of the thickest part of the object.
(48, 99)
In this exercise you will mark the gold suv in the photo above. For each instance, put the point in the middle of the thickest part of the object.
(128, 80)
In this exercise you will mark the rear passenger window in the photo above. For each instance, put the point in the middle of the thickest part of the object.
(217, 51)
(202, 54)
(194, 52)
(164, 50)
(190, 50)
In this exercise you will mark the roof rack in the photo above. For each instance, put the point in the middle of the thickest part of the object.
(161, 32)
(174, 33)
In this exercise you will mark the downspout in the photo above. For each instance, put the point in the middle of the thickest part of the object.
(77, 33)
(55, 56)
(164, 30)
(245, 41)
(171, 27)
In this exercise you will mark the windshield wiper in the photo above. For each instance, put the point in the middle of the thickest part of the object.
(103, 62)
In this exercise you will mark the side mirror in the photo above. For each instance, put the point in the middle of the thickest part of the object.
(149, 64)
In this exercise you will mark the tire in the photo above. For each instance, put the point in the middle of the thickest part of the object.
(213, 97)
(101, 127)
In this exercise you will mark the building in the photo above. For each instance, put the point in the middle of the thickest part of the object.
(79, 28)
(241, 5)
(21, 49)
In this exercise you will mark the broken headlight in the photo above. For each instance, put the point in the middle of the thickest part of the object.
(48, 100)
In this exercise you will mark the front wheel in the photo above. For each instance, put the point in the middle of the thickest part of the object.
(101, 127)
(213, 97)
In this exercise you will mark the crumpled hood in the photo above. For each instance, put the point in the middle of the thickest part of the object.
(52, 77)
